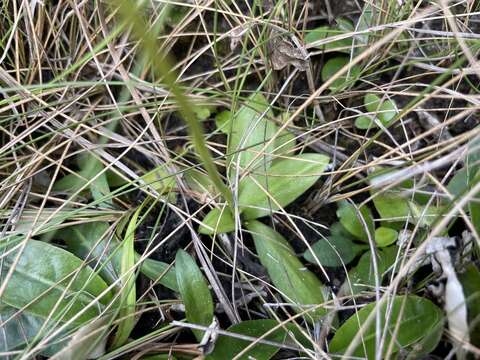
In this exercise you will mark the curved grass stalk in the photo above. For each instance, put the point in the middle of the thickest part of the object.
(161, 66)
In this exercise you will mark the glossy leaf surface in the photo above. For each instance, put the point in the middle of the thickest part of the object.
(416, 321)
(91, 242)
(47, 277)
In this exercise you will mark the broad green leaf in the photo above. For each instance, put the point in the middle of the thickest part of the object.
(128, 295)
(365, 21)
(350, 218)
(203, 112)
(158, 357)
(194, 292)
(337, 229)
(285, 144)
(47, 278)
(19, 328)
(160, 179)
(337, 250)
(217, 221)
(473, 157)
(470, 280)
(362, 276)
(87, 342)
(391, 207)
(227, 347)
(466, 178)
(285, 181)
(474, 205)
(91, 242)
(416, 322)
(295, 282)
(458, 184)
(332, 66)
(324, 32)
(175, 14)
(222, 120)
(424, 215)
(248, 132)
(365, 122)
(159, 271)
(385, 236)
(384, 109)
(200, 183)
(115, 180)
(90, 168)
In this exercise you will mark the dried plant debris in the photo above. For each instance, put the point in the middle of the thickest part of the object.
(286, 50)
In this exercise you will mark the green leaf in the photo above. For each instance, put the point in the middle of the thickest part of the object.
(458, 184)
(337, 250)
(362, 276)
(87, 342)
(474, 204)
(217, 221)
(365, 21)
(350, 218)
(90, 168)
(91, 242)
(285, 143)
(248, 132)
(200, 183)
(364, 122)
(203, 112)
(194, 292)
(48, 279)
(115, 180)
(227, 347)
(296, 283)
(332, 66)
(416, 322)
(424, 215)
(128, 295)
(385, 110)
(160, 179)
(175, 14)
(391, 207)
(285, 181)
(473, 157)
(385, 236)
(470, 280)
(158, 357)
(18, 329)
(324, 32)
(159, 271)
(222, 120)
